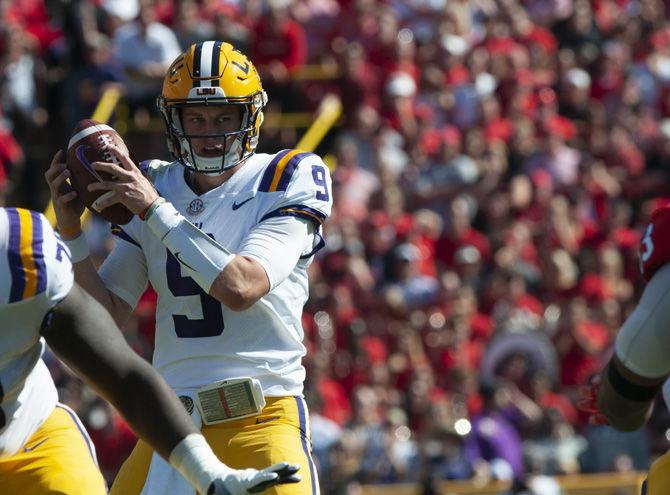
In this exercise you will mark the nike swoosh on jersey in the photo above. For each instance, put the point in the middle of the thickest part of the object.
(238, 205)
(29, 449)
(176, 255)
(266, 420)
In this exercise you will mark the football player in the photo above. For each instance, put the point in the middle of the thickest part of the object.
(43, 446)
(225, 236)
(623, 395)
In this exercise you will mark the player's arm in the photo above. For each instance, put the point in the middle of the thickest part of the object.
(88, 277)
(267, 257)
(626, 398)
(82, 334)
(237, 280)
(68, 209)
(640, 364)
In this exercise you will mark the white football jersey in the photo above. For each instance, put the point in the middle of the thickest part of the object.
(35, 273)
(199, 340)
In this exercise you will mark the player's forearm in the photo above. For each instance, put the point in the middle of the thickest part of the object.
(88, 278)
(200, 256)
(626, 404)
(150, 407)
(82, 333)
(240, 284)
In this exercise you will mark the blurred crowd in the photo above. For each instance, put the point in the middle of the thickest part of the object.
(494, 167)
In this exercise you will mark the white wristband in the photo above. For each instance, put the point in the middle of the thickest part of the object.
(201, 256)
(78, 247)
(163, 219)
(195, 461)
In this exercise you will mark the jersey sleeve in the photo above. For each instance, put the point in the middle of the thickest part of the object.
(124, 271)
(277, 244)
(303, 184)
(654, 251)
(38, 262)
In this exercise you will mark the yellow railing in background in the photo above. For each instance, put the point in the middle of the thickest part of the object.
(578, 484)
(102, 113)
(327, 114)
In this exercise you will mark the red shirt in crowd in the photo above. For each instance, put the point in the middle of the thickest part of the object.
(287, 44)
(447, 246)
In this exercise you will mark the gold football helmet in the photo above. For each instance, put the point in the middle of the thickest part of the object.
(212, 73)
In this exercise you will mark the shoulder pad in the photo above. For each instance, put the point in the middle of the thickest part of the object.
(280, 170)
(153, 168)
(36, 260)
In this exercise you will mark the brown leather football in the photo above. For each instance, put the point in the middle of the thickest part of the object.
(87, 145)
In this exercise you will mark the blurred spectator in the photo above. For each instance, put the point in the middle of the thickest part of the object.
(352, 184)
(609, 450)
(22, 82)
(329, 433)
(494, 445)
(145, 48)
(190, 27)
(359, 82)
(279, 49)
(11, 156)
(228, 27)
(86, 84)
(580, 344)
(407, 288)
(459, 233)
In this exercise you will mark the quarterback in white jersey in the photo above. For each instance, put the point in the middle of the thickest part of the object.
(225, 237)
(43, 446)
(198, 339)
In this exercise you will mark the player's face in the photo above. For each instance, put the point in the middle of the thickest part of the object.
(211, 121)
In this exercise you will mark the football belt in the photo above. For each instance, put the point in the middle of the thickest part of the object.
(228, 400)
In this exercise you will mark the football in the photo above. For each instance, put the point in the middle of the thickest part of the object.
(88, 144)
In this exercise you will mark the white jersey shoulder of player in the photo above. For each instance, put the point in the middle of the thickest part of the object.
(290, 175)
(36, 273)
(197, 338)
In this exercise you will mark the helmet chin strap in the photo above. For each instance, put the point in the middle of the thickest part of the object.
(205, 163)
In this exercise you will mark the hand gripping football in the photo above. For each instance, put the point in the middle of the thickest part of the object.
(88, 144)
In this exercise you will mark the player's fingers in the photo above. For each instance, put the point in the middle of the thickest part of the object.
(57, 158)
(264, 481)
(58, 184)
(104, 186)
(67, 197)
(53, 171)
(106, 200)
(283, 468)
(276, 467)
(294, 478)
(111, 168)
(123, 158)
